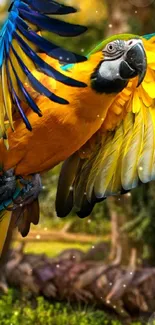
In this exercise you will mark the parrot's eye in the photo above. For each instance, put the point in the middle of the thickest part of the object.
(111, 47)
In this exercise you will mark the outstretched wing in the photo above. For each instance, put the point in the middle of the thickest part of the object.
(121, 155)
(20, 44)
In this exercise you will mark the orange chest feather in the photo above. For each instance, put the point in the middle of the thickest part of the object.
(61, 130)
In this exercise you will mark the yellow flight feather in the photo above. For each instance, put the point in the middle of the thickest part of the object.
(6, 96)
(27, 61)
(115, 183)
(97, 163)
(4, 226)
(145, 163)
(108, 163)
(80, 187)
(131, 154)
(2, 111)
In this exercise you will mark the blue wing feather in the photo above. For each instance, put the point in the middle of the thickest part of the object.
(50, 7)
(25, 17)
(51, 24)
(16, 101)
(28, 98)
(45, 67)
(45, 46)
(36, 84)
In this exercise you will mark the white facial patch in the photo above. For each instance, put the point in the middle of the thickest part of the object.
(110, 69)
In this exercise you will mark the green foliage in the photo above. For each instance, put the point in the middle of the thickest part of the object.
(15, 310)
(52, 249)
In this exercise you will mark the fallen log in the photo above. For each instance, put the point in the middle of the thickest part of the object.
(75, 277)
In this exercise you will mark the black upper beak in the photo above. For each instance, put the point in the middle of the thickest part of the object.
(135, 63)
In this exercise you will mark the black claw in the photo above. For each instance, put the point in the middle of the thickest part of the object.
(7, 185)
(32, 190)
(28, 195)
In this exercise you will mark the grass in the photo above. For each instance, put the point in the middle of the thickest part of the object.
(52, 249)
(16, 310)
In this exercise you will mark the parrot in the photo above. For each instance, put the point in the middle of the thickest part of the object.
(96, 113)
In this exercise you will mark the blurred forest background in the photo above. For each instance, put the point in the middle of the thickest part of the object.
(120, 231)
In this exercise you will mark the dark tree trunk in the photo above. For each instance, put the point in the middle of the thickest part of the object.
(80, 279)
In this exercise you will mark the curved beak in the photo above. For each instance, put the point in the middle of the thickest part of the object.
(135, 63)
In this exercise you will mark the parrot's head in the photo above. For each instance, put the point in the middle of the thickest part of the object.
(122, 60)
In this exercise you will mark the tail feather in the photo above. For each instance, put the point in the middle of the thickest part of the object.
(26, 215)
(64, 197)
(21, 218)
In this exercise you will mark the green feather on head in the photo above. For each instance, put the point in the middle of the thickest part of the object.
(102, 44)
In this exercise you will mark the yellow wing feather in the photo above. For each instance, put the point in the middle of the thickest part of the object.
(6, 96)
(132, 151)
(125, 154)
(2, 111)
(108, 163)
(4, 226)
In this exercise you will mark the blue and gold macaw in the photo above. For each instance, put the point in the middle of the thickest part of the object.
(104, 132)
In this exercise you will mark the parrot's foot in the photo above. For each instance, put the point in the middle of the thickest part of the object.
(7, 185)
(32, 190)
